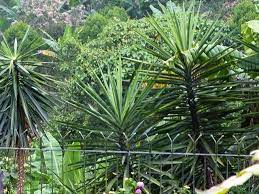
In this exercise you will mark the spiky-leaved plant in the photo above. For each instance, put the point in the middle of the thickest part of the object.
(205, 96)
(24, 100)
(123, 110)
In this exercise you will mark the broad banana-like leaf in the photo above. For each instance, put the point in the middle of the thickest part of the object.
(52, 153)
(71, 175)
(237, 180)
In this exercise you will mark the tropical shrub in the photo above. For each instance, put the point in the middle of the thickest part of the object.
(93, 25)
(117, 38)
(115, 13)
(8, 12)
(139, 9)
(3, 24)
(120, 39)
(204, 24)
(24, 100)
(250, 32)
(91, 60)
(130, 186)
(121, 109)
(243, 12)
(198, 72)
(135, 9)
(187, 80)
(81, 60)
(18, 30)
(250, 35)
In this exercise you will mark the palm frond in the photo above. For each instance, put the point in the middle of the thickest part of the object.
(24, 96)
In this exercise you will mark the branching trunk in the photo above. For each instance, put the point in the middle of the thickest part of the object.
(20, 157)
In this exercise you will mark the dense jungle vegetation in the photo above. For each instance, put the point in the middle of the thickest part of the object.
(84, 83)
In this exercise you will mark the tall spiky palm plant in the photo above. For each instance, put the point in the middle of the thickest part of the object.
(123, 110)
(24, 100)
(202, 89)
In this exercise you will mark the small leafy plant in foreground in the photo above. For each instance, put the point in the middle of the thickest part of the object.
(130, 187)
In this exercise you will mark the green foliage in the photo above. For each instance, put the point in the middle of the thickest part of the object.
(250, 62)
(124, 117)
(239, 190)
(71, 176)
(138, 9)
(18, 30)
(250, 35)
(44, 166)
(184, 190)
(237, 183)
(220, 27)
(204, 22)
(135, 9)
(4, 24)
(169, 5)
(81, 60)
(8, 12)
(188, 85)
(95, 23)
(115, 13)
(129, 187)
(243, 12)
(25, 101)
(250, 32)
(121, 39)
(118, 38)
(74, 2)
(195, 67)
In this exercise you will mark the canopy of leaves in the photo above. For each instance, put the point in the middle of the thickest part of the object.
(95, 23)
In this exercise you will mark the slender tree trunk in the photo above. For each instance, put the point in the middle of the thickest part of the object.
(196, 128)
(21, 155)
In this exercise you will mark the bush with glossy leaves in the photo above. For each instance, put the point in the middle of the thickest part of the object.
(243, 12)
